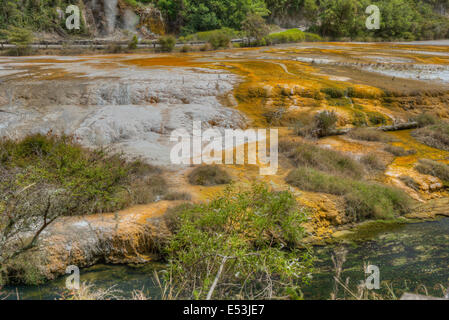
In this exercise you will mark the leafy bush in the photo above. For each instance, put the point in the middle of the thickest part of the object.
(97, 181)
(254, 26)
(208, 35)
(220, 40)
(434, 168)
(209, 175)
(288, 36)
(425, 119)
(21, 38)
(43, 178)
(364, 200)
(186, 48)
(319, 126)
(436, 136)
(359, 118)
(133, 43)
(325, 121)
(333, 92)
(167, 43)
(376, 118)
(237, 246)
(312, 37)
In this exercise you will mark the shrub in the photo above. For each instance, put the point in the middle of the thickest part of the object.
(434, 168)
(173, 196)
(186, 48)
(288, 36)
(167, 43)
(399, 151)
(133, 43)
(359, 118)
(410, 182)
(99, 182)
(425, 119)
(333, 92)
(237, 246)
(209, 175)
(43, 178)
(325, 121)
(307, 155)
(255, 27)
(436, 136)
(21, 38)
(219, 39)
(376, 118)
(114, 48)
(373, 163)
(312, 37)
(320, 125)
(363, 200)
(208, 35)
(369, 134)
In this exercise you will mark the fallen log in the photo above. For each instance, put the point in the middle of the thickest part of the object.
(399, 126)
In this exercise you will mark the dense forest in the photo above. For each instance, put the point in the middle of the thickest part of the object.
(400, 19)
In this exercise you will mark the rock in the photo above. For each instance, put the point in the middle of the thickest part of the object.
(130, 236)
(133, 114)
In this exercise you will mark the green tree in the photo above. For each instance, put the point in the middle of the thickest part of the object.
(20, 37)
(255, 27)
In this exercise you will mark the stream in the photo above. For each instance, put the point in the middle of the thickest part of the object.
(409, 256)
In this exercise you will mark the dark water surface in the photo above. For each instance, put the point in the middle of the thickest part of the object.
(411, 256)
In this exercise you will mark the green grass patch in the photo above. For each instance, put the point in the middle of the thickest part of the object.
(327, 160)
(369, 134)
(364, 200)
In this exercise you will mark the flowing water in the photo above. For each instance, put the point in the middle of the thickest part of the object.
(409, 256)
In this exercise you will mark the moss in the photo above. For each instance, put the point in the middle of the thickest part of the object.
(372, 229)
